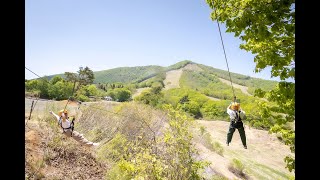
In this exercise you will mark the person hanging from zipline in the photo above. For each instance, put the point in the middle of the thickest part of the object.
(67, 127)
(236, 116)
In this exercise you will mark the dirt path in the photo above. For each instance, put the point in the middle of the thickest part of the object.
(244, 89)
(173, 76)
(212, 98)
(172, 79)
(263, 158)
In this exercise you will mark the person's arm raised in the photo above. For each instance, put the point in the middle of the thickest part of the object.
(55, 115)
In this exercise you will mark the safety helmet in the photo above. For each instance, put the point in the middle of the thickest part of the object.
(63, 111)
(235, 106)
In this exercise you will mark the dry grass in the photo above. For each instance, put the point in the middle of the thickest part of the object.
(101, 121)
(203, 136)
(51, 155)
(263, 148)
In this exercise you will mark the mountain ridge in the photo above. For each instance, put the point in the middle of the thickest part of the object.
(136, 74)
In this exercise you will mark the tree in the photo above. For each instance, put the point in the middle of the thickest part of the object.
(55, 79)
(180, 151)
(151, 98)
(84, 77)
(60, 90)
(32, 85)
(120, 94)
(71, 77)
(267, 29)
(82, 94)
(156, 89)
(193, 108)
(210, 110)
(92, 90)
(42, 86)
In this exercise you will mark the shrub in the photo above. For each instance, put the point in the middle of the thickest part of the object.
(237, 167)
(83, 98)
(210, 144)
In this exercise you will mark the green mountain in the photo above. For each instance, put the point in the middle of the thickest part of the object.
(141, 73)
(130, 74)
(126, 74)
(134, 74)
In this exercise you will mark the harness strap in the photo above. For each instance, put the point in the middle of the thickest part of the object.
(70, 127)
(237, 118)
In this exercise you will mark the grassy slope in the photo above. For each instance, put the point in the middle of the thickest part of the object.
(126, 74)
(209, 84)
(248, 81)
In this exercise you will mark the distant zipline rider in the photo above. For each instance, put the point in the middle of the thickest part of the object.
(236, 116)
(67, 128)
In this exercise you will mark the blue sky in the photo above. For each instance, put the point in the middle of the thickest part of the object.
(62, 35)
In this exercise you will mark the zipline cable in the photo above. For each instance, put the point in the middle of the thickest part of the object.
(224, 51)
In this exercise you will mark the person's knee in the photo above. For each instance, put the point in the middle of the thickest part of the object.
(241, 129)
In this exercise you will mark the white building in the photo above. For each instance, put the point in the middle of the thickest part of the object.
(108, 98)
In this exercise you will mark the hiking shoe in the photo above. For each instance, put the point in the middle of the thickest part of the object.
(245, 147)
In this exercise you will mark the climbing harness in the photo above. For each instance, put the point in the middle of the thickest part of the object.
(65, 129)
(238, 117)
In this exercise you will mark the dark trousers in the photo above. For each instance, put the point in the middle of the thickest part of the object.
(232, 128)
